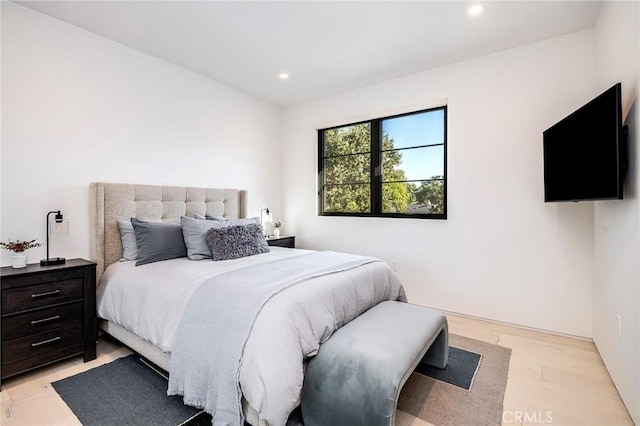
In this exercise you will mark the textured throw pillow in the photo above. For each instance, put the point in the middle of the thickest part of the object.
(128, 236)
(158, 241)
(194, 232)
(233, 242)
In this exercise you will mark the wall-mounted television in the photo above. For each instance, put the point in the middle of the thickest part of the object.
(585, 153)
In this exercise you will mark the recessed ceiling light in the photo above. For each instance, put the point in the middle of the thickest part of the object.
(475, 10)
(284, 76)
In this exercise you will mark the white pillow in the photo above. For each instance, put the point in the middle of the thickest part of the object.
(129, 243)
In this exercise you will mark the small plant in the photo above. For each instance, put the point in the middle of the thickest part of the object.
(277, 224)
(19, 246)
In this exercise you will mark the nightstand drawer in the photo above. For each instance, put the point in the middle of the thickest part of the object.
(61, 342)
(34, 296)
(55, 353)
(288, 242)
(41, 320)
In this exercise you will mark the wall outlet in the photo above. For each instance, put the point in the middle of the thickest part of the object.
(619, 325)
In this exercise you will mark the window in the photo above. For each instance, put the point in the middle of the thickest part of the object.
(386, 167)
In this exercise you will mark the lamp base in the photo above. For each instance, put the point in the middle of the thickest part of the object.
(53, 261)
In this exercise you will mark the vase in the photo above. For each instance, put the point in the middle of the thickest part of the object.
(19, 260)
(276, 232)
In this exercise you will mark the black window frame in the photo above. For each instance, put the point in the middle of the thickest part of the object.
(375, 172)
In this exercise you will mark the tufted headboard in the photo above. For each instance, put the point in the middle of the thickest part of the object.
(110, 201)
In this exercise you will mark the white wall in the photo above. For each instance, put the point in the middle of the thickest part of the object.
(503, 253)
(79, 108)
(617, 223)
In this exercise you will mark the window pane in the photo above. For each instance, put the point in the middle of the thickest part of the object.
(347, 198)
(426, 197)
(348, 169)
(347, 140)
(413, 164)
(413, 130)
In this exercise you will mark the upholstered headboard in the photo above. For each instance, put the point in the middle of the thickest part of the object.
(110, 201)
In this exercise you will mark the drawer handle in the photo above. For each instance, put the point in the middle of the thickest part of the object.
(43, 320)
(45, 294)
(44, 342)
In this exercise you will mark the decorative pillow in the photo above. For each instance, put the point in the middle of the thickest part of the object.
(128, 236)
(199, 216)
(194, 232)
(158, 241)
(230, 222)
(233, 242)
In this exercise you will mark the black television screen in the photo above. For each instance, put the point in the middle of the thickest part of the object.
(583, 158)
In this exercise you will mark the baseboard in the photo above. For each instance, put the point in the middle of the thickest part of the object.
(523, 327)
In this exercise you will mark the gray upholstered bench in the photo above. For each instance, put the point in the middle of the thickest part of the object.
(357, 375)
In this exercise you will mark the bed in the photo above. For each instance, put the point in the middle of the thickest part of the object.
(146, 331)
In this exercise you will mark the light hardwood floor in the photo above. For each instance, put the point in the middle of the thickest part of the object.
(552, 380)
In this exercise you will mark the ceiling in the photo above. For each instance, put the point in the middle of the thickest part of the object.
(326, 47)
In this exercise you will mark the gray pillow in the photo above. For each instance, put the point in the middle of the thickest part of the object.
(128, 236)
(243, 221)
(233, 242)
(158, 241)
(194, 232)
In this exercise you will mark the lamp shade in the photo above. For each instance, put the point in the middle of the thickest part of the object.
(60, 227)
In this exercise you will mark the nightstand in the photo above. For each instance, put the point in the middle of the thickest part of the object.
(48, 314)
(282, 241)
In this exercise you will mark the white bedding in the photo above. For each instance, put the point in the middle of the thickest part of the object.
(149, 300)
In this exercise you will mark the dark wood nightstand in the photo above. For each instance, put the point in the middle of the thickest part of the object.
(48, 314)
(282, 241)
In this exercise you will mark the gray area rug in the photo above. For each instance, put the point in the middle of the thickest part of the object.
(124, 392)
(444, 404)
(127, 392)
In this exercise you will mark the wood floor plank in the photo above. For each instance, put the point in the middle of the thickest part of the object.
(599, 384)
(43, 408)
(578, 343)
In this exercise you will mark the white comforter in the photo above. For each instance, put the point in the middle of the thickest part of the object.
(149, 300)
